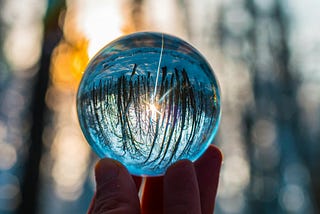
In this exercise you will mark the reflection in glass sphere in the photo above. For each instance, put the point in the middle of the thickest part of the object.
(148, 100)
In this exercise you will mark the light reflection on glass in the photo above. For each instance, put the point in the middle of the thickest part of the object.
(242, 40)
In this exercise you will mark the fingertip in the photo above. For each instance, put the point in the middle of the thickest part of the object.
(181, 191)
(181, 165)
(213, 153)
(107, 169)
(115, 191)
(208, 171)
(181, 171)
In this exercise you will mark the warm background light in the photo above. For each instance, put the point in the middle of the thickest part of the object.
(86, 28)
(264, 53)
(22, 44)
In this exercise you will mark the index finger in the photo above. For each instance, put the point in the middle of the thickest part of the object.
(180, 189)
(208, 170)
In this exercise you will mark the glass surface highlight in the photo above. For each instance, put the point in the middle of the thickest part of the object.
(148, 100)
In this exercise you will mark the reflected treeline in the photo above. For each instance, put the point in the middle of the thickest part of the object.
(270, 125)
(152, 124)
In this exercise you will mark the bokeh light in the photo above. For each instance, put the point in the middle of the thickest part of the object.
(265, 55)
(23, 18)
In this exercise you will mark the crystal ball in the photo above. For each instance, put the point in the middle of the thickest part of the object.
(148, 100)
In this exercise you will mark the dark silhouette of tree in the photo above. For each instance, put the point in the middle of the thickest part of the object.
(30, 182)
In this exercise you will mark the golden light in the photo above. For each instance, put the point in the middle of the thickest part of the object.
(154, 111)
(87, 27)
(68, 64)
(153, 108)
(101, 22)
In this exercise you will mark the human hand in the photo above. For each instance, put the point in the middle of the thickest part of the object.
(186, 187)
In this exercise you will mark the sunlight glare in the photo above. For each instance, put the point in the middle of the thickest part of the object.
(100, 24)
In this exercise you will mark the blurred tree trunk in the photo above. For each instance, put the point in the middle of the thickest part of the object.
(30, 182)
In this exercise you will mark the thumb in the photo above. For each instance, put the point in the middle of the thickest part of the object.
(116, 191)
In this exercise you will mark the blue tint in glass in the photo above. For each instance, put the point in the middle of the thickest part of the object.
(148, 100)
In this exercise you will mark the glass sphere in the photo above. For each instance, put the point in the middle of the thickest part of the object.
(148, 100)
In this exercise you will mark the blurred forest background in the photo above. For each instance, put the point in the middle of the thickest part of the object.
(265, 53)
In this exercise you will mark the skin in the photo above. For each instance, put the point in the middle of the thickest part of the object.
(185, 188)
